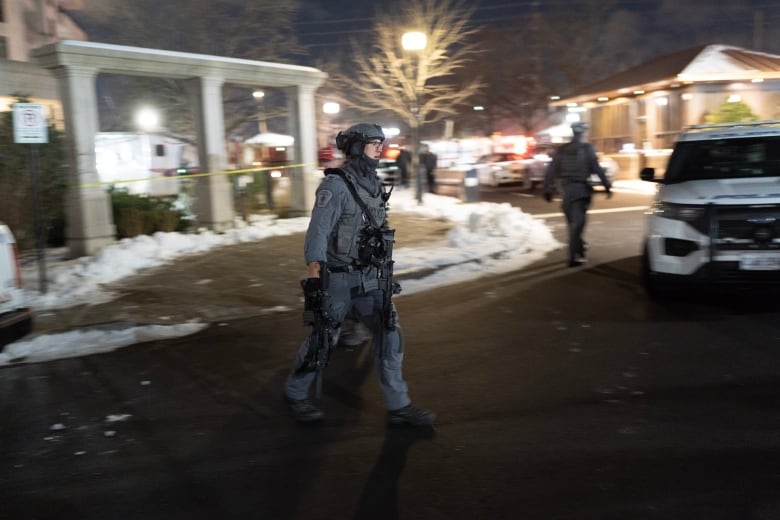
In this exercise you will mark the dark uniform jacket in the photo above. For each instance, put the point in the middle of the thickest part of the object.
(337, 219)
(572, 165)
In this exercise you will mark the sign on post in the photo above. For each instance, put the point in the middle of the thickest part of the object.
(30, 128)
(30, 123)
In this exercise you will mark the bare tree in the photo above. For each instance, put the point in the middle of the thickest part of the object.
(384, 76)
(419, 86)
(515, 97)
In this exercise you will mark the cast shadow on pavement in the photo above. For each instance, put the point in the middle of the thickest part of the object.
(379, 499)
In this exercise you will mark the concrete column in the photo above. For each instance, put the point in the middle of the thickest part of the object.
(90, 222)
(213, 193)
(303, 127)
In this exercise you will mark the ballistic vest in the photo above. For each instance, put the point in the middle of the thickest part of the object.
(343, 246)
(573, 162)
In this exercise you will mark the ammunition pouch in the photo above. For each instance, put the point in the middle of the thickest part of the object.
(371, 247)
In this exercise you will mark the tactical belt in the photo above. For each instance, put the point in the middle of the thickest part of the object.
(346, 268)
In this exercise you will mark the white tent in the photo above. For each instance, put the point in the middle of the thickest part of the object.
(271, 139)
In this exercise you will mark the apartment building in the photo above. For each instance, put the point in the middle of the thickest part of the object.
(24, 26)
(27, 24)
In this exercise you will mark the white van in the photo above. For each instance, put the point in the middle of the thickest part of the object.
(716, 215)
(15, 316)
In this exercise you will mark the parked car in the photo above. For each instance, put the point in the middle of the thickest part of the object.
(716, 214)
(537, 164)
(500, 168)
(15, 316)
(387, 171)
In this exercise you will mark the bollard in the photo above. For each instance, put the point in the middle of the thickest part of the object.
(471, 186)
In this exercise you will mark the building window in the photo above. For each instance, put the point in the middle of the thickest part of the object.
(2, 12)
(3, 48)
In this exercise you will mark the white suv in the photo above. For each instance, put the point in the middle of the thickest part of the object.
(716, 215)
(15, 316)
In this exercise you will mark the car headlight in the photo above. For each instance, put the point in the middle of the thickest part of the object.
(696, 216)
(684, 212)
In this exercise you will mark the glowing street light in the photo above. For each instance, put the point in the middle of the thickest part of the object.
(331, 108)
(415, 41)
(326, 129)
(147, 119)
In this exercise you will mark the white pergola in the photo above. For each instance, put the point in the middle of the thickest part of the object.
(76, 65)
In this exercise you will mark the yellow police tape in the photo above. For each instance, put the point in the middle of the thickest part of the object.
(192, 175)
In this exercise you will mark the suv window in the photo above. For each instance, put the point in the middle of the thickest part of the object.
(724, 159)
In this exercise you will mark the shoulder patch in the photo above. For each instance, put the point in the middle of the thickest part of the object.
(323, 197)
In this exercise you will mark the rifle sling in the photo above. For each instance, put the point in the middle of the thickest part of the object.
(361, 202)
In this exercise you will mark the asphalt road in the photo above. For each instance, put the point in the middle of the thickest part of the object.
(562, 394)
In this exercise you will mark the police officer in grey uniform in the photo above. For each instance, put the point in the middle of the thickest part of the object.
(572, 165)
(333, 239)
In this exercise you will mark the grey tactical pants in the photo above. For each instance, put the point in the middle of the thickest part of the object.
(359, 292)
(576, 211)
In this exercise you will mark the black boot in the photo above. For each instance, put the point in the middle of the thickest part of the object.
(303, 410)
(412, 416)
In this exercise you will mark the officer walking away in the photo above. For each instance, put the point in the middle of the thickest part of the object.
(351, 202)
(572, 166)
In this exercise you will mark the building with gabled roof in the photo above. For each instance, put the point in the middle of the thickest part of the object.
(645, 107)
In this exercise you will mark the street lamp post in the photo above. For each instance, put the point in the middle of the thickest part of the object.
(330, 109)
(262, 128)
(416, 41)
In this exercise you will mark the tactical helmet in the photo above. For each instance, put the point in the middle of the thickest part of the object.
(352, 140)
(579, 127)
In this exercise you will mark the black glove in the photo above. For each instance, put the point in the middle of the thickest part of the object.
(311, 293)
(548, 196)
(311, 284)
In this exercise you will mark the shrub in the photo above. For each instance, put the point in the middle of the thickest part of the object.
(143, 215)
(732, 112)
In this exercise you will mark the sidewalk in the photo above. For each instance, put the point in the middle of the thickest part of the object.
(225, 283)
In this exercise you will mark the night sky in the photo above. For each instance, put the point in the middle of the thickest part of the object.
(664, 25)
(325, 22)
(652, 27)
(330, 24)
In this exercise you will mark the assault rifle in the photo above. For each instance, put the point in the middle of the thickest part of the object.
(315, 313)
(388, 286)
